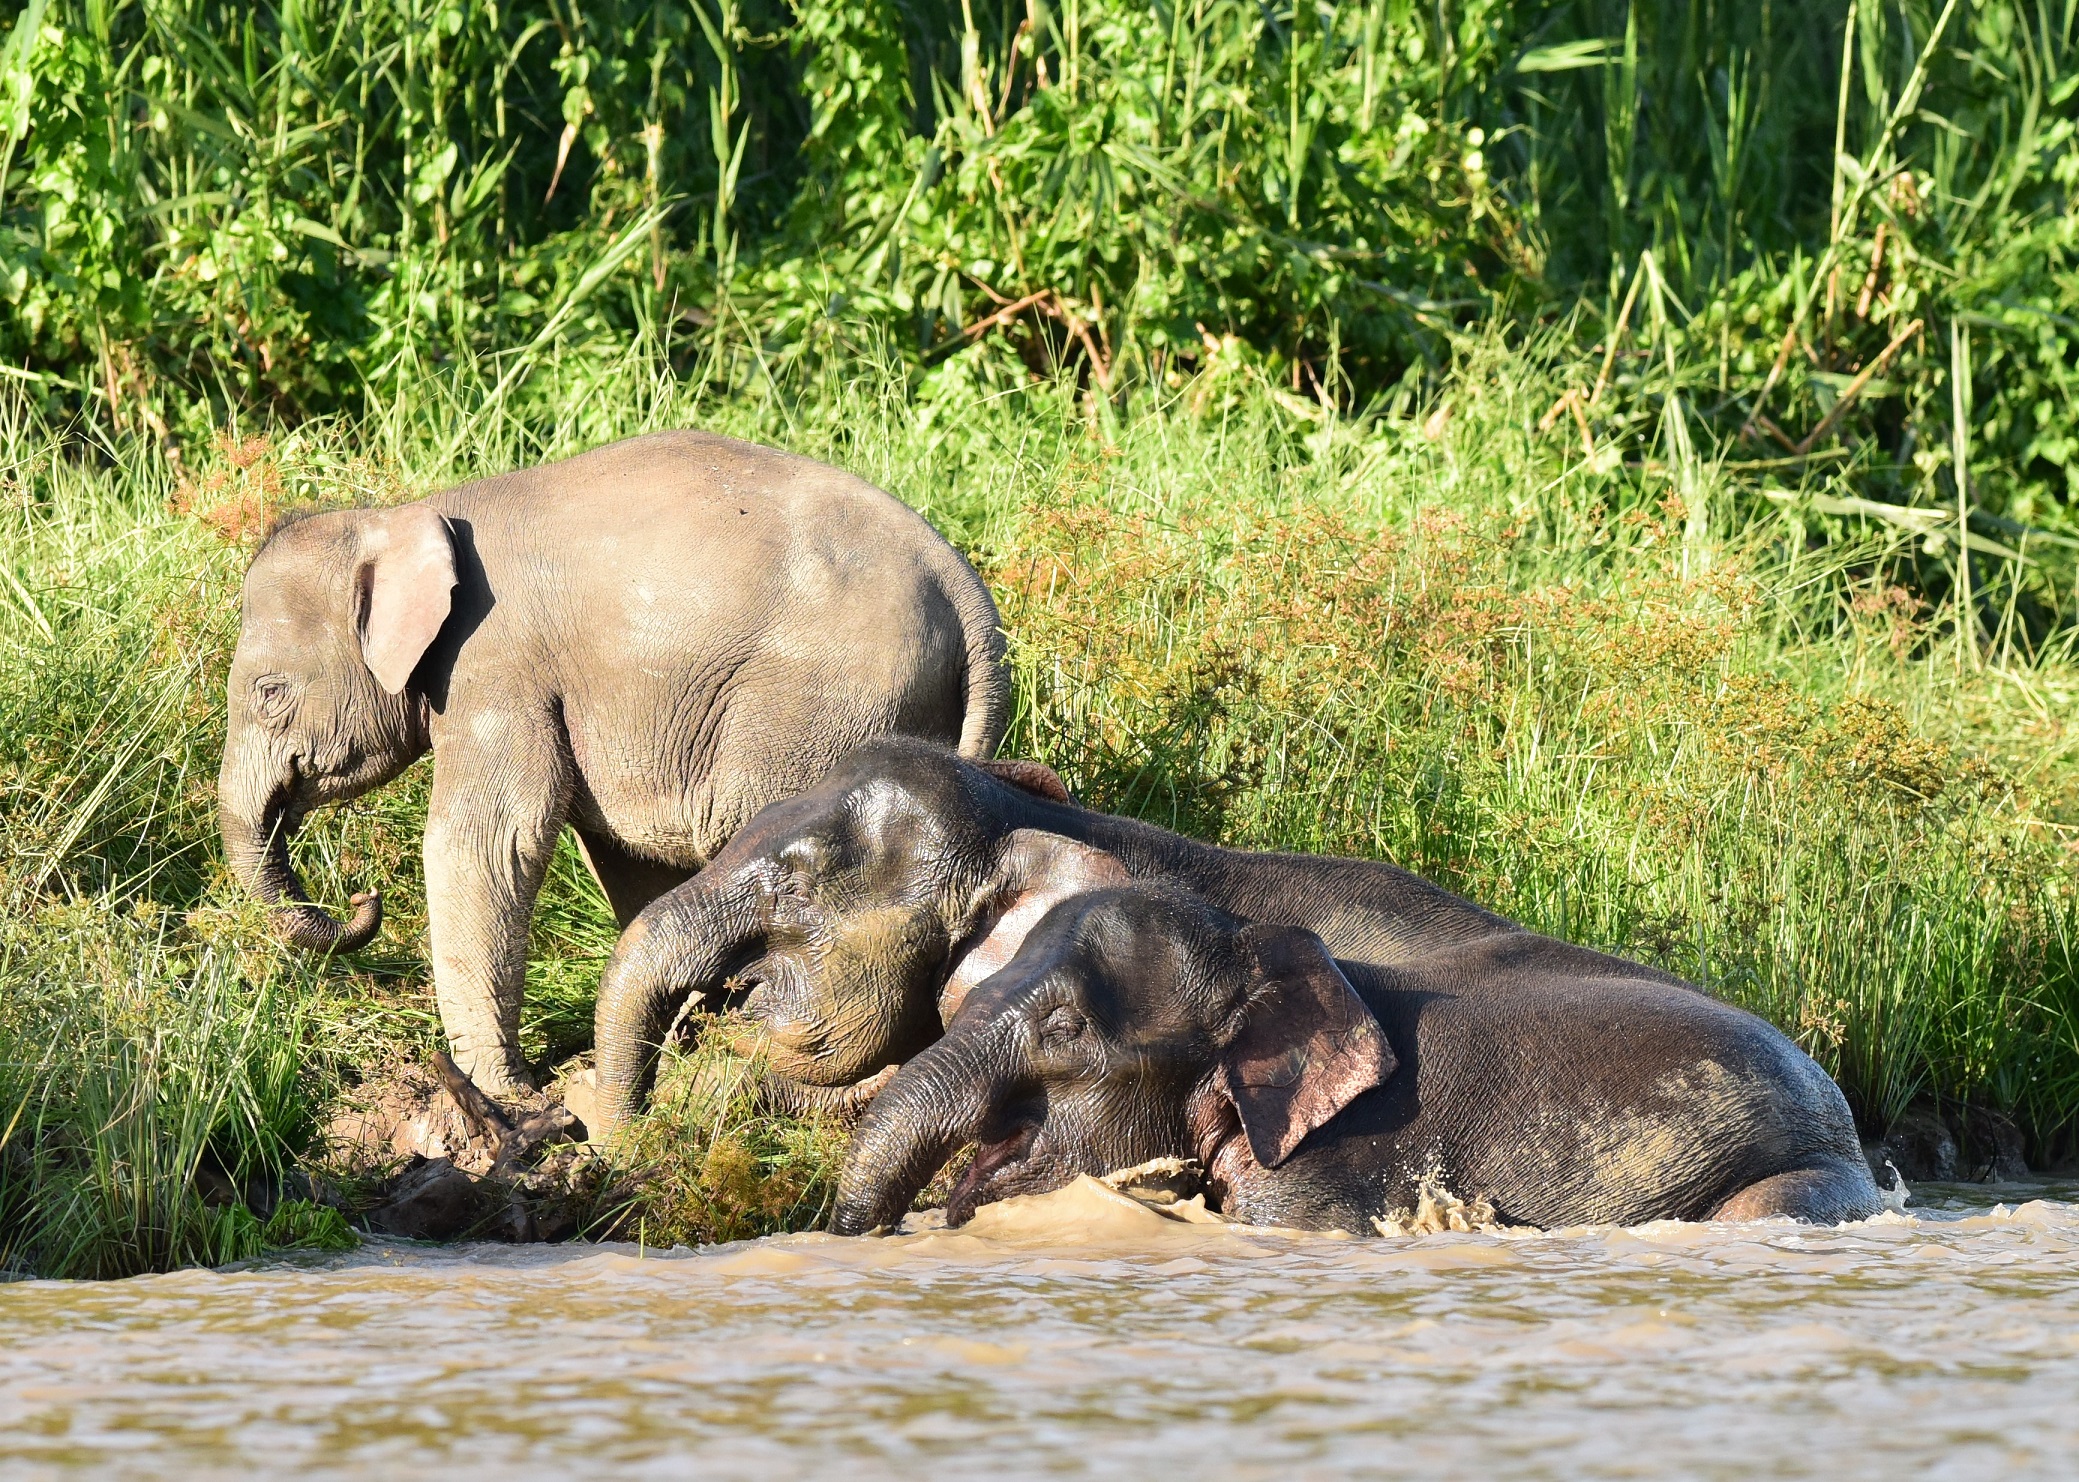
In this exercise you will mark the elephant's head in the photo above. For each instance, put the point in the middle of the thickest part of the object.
(851, 918)
(1133, 1023)
(338, 610)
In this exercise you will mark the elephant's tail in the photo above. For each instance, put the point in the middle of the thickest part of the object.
(988, 677)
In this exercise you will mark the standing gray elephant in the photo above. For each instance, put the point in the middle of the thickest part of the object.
(1138, 1022)
(649, 642)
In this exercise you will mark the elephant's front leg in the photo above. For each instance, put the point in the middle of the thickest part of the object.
(489, 835)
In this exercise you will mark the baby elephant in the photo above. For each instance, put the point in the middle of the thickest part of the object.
(1139, 1022)
(649, 643)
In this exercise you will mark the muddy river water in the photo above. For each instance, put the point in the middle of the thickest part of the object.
(1080, 1335)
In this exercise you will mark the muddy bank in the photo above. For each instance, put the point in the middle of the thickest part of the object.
(723, 1153)
(1934, 1144)
(416, 1150)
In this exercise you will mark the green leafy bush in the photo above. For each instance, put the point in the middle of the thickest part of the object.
(208, 208)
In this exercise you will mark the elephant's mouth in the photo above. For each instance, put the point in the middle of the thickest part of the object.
(746, 991)
(797, 1038)
(1002, 1168)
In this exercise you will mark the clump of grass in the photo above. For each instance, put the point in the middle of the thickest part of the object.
(708, 1162)
(153, 1100)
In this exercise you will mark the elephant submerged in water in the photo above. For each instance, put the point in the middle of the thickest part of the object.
(649, 642)
(1138, 1022)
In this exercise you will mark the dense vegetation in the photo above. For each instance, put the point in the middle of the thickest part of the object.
(294, 206)
(1616, 459)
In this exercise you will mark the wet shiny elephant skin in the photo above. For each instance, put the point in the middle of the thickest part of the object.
(855, 915)
(649, 642)
(1558, 1085)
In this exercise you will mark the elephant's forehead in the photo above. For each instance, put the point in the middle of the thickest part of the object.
(884, 815)
(880, 933)
(275, 630)
(282, 607)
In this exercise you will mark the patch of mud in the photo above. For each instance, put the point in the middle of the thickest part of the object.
(1128, 1207)
(419, 1151)
(1085, 1211)
(1171, 1187)
(1930, 1144)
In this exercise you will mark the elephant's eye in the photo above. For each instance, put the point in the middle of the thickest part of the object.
(273, 694)
(1061, 1025)
(792, 888)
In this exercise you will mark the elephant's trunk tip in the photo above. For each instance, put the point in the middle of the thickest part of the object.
(305, 926)
(930, 1107)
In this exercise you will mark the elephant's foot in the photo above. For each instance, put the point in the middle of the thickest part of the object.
(509, 1137)
(473, 1168)
(1828, 1195)
(495, 1073)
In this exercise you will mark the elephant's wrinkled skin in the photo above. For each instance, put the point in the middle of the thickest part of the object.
(861, 910)
(649, 642)
(1137, 1022)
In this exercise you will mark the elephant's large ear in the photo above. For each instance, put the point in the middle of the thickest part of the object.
(1037, 778)
(406, 582)
(1307, 1046)
(1036, 871)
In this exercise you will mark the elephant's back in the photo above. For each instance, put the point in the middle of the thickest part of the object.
(642, 544)
(679, 496)
(1575, 1097)
(719, 622)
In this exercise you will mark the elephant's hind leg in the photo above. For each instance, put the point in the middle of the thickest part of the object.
(1830, 1194)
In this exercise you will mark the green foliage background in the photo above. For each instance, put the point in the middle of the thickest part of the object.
(299, 205)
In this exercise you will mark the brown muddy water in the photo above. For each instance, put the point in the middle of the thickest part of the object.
(1079, 1335)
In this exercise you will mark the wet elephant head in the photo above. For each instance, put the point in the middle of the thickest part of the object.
(338, 610)
(1133, 1023)
(849, 919)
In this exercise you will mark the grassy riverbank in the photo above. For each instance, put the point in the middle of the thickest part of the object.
(1641, 703)
(1614, 456)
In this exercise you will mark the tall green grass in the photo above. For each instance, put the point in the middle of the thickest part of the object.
(210, 208)
(1565, 696)
(1637, 701)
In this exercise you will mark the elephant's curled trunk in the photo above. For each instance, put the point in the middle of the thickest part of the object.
(934, 1105)
(256, 845)
(682, 944)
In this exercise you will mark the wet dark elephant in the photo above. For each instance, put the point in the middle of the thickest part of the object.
(648, 642)
(856, 914)
(1138, 1022)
